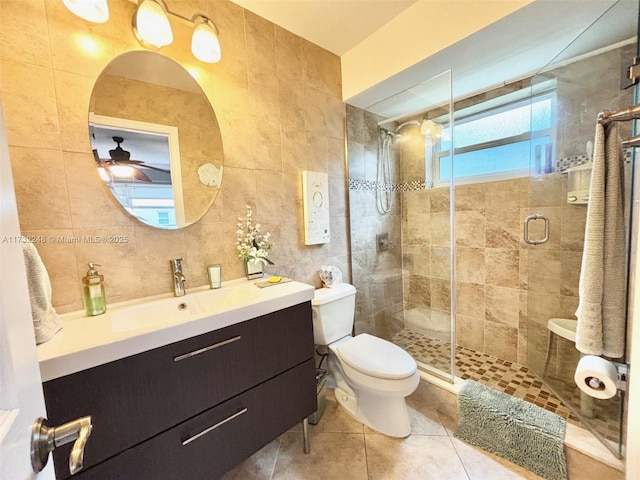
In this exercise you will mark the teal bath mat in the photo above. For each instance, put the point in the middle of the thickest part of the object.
(519, 431)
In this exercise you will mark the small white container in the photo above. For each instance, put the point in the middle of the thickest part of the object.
(578, 184)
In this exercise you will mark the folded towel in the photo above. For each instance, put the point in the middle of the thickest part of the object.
(46, 322)
(601, 311)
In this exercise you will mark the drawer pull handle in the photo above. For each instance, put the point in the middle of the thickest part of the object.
(213, 427)
(206, 349)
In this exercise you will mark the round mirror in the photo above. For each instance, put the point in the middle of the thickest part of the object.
(155, 139)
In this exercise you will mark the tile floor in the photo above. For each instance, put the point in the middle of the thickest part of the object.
(342, 448)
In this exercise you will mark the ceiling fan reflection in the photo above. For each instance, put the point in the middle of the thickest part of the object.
(120, 165)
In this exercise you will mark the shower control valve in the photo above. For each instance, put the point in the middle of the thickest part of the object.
(383, 243)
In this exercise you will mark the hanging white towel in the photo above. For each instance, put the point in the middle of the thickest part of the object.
(601, 311)
(46, 322)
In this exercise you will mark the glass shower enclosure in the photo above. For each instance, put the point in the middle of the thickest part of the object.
(440, 261)
(402, 255)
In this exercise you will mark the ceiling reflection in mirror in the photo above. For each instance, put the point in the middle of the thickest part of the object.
(156, 140)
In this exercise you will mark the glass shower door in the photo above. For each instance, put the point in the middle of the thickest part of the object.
(557, 192)
(402, 255)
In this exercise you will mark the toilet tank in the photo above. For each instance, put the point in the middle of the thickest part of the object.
(333, 313)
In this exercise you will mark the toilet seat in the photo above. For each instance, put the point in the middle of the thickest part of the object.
(376, 357)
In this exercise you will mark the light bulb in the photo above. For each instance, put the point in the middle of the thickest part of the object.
(151, 24)
(204, 42)
(96, 11)
(122, 171)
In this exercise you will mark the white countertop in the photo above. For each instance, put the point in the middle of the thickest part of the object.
(129, 328)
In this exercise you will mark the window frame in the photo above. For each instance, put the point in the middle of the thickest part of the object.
(437, 154)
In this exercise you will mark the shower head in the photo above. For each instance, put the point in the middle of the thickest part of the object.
(390, 132)
(410, 122)
(427, 127)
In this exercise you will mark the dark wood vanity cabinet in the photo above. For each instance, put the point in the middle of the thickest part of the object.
(252, 381)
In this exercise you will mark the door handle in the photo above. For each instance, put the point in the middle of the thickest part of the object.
(536, 216)
(45, 439)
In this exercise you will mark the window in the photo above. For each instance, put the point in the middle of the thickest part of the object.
(498, 142)
(163, 218)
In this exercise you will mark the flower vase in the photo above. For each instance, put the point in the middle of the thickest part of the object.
(253, 270)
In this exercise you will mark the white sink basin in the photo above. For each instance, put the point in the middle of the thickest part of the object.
(221, 299)
(136, 326)
(156, 313)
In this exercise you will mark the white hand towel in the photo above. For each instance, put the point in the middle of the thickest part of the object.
(46, 322)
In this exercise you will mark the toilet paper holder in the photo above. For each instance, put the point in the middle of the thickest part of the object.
(623, 374)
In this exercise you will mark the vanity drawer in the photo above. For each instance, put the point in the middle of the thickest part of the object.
(135, 398)
(205, 447)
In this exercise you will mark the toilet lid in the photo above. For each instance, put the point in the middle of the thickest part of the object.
(376, 357)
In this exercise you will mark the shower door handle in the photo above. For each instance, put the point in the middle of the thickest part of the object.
(536, 216)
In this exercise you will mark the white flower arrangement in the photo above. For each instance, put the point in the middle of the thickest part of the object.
(252, 245)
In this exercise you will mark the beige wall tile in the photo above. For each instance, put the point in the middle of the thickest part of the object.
(261, 41)
(470, 265)
(501, 340)
(41, 188)
(470, 197)
(471, 228)
(37, 50)
(502, 305)
(420, 290)
(470, 332)
(502, 267)
(88, 194)
(73, 110)
(29, 104)
(440, 258)
(545, 271)
(322, 69)
(470, 299)
(440, 228)
(441, 294)
(117, 260)
(265, 141)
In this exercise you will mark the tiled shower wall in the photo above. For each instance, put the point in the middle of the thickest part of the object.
(278, 101)
(376, 275)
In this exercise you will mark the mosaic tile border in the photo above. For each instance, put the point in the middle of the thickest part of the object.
(568, 162)
(371, 185)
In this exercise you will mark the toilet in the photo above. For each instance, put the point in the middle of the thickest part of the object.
(372, 376)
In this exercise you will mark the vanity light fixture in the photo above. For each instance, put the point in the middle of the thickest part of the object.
(96, 11)
(151, 24)
(152, 29)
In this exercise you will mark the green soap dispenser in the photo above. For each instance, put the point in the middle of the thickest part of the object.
(95, 301)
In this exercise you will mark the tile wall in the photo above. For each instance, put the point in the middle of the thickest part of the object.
(277, 99)
(376, 275)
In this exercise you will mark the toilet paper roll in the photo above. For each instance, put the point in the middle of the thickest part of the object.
(596, 377)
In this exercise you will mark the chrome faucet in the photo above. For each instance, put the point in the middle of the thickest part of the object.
(178, 277)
